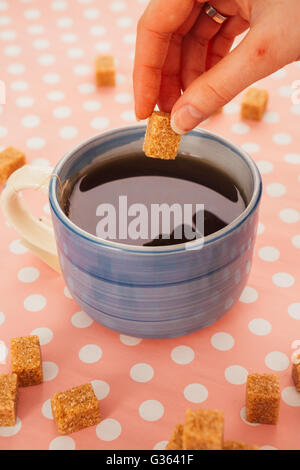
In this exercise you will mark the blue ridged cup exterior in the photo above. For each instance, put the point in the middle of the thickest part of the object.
(156, 293)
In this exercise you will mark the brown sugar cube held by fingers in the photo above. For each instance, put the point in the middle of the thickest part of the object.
(203, 430)
(75, 409)
(105, 71)
(160, 139)
(254, 104)
(8, 399)
(26, 360)
(10, 160)
(296, 369)
(238, 445)
(175, 442)
(262, 398)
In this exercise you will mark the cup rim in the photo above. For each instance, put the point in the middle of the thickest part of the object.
(144, 250)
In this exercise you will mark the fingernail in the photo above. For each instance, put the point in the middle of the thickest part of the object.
(185, 119)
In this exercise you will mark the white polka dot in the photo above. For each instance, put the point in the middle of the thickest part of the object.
(69, 38)
(123, 98)
(45, 335)
(16, 69)
(47, 410)
(222, 341)
(8, 431)
(35, 29)
(296, 241)
(2, 318)
(32, 14)
(249, 295)
(124, 22)
(283, 279)
(8, 35)
(151, 410)
(285, 91)
(12, 51)
(141, 372)
(182, 355)
(293, 158)
(19, 86)
(264, 166)
(130, 340)
(251, 147)
(117, 6)
(31, 121)
(271, 117)
(3, 6)
(3, 131)
(236, 375)
(267, 447)
(25, 101)
(62, 443)
(5, 20)
(269, 253)
(243, 417)
(279, 74)
(17, 248)
(98, 31)
(99, 123)
(59, 5)
(46, 59)
(46, 209)
(28, 274)
(129, 38)
(62, 112)
(68, 132)
(277, 360)
(51, 78)
(34, 303)
(55, 95)
(35, 143)
(91, 105)
(90, 353)
(120, 78)
(240, 128)
(67, 293)
(289, 215)
(108, 430)
(295, 109)
(40, 162)
(75, 53)
(275, 189)
(160, 445)
(82, 69)
(64, 22)
(86, 88)
(282, 138)
(103, 47)
(50, 370)
(195, 393)
(128, 115)
(91, 13)
(290, 396)
(260, 327)
(81, 320)
(41, 44)
(101, 388)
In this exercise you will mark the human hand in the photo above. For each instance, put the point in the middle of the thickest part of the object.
(180, 48)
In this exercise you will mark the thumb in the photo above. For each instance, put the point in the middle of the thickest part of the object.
(250, 61)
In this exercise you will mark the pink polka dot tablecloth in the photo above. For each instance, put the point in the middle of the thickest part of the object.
(144, 386)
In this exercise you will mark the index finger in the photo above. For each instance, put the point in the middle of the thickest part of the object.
(160, 19)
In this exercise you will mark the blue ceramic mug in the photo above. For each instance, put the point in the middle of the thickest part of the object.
(151, 292)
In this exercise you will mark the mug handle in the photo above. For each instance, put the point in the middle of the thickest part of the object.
(36, 234)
